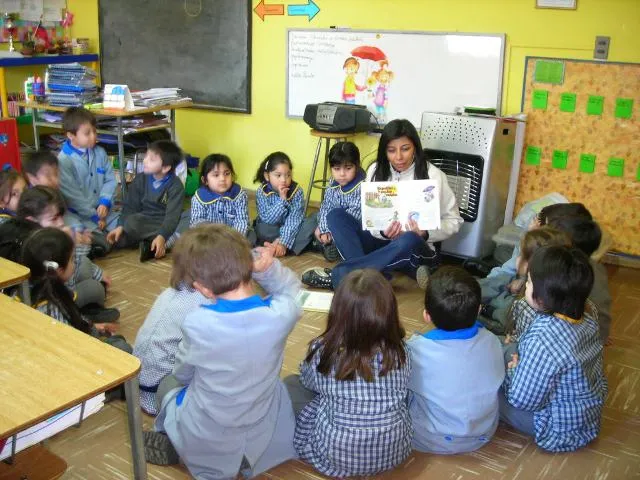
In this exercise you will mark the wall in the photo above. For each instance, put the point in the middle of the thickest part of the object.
(530, 31)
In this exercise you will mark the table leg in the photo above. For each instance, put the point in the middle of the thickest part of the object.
(313, 174)
(3, 94)
(172, 122)
(121, 159)
(132, 392)
(34, 123)
(25, 292)
(326, 166)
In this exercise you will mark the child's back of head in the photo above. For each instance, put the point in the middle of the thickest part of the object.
(363, 322)
(452, 298)
(74, 117)
(585, 234)
(560, 280)
(41, 168)
(551, 212)
(213, 256)
(534, 239)
(168, 151)
(48, 253)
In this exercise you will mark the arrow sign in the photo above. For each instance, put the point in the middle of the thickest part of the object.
(310, 9)
(263, 9)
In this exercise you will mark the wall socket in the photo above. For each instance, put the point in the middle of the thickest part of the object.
(601, 50)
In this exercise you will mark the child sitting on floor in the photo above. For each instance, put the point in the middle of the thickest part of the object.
(343, 192)
(355, 375)
(280, 203)
(220, 199)
(457, 369)
(224, 408)
(12, 184)
(158, 338)
(41, 168)
(152, 216)
(87, 181)
(555, 385)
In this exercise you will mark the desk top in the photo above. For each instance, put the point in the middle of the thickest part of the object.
(46, 366)
(12, 273)
(110, 112)
(47, 60)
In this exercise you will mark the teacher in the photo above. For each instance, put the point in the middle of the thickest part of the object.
(411, 251)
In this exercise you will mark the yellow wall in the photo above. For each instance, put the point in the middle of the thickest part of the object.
(530, 31)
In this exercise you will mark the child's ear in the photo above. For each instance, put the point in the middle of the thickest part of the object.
(165, 169)
(70, 136)
(266, 176)
(426, 317)
(207, 292)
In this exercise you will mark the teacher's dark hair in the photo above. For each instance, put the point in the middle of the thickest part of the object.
(393, 130)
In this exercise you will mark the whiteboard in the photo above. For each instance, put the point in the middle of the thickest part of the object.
(396, 74)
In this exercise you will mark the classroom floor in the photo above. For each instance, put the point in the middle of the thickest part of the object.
(100, 449)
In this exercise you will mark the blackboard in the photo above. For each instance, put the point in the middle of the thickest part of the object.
(201, 46)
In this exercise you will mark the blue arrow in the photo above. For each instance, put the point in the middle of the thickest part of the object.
(310, 9)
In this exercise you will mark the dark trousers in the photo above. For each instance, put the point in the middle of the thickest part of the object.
(360, 249)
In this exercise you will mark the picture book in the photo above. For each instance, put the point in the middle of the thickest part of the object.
(314, 301)
(385, 202)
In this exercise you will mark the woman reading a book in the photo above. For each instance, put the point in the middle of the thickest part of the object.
(401, 246)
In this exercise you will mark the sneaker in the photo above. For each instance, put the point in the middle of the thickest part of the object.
(158, 449)
(422, 276)
(331, 253)
(317, 278)
(98, 314)
(96, 251)
(145, 251)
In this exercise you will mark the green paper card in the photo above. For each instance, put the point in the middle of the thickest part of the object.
(539, 99)
(587, 163)
(624, 107)
(549, 72)
(533, 155)
(638, 173)
(595, 105)
(615, 167)
(559, 159)
(568, 102)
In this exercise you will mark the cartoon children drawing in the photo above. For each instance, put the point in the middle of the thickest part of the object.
(383, 78)
(349, 87)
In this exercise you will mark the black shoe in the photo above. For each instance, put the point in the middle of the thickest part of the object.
(145, 251)
(96, 251)
(476, 267)
(331, 253)
(99, 314)
(318, 278)
(158, 449)
(487, 311)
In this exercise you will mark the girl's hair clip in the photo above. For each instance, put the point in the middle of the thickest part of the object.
(51, 265)
(6, 167)
(266, 166)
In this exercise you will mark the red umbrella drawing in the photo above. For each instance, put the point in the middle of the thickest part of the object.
(367, 52)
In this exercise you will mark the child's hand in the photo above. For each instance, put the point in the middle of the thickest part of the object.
(515, 286)
(106, 279)
(279, 250)
(158, 246)
(114, 235)
(412, 226)
(393, 230)
(263, 258)
(283, 191)
(102, 211)
(508, 339)
(106, 328)
(514, 361)
(317, 233)
(101, 224)
(325, 238)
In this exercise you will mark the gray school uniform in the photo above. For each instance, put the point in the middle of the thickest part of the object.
(158, 338)
(234, 409)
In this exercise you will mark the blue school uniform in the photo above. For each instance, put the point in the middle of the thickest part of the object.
(346, 197)
(234, 406)
(230, 208)
(6, 214)
(86, 182)
(454, 384)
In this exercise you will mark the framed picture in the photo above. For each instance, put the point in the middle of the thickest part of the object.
(562, 4)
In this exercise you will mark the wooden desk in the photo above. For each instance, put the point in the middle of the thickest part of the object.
(119, 114)
(91, 58)
(47, 367)
(13, 274)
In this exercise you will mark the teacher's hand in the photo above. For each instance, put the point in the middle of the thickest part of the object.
(393, 230)
(412, 226)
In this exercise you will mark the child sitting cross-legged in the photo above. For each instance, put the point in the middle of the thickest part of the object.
(224, 410)
(555, 385)
(352, 388)
(152, 216)
(457, 369)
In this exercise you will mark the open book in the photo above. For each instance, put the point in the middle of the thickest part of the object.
(314, 301)
(385, 202)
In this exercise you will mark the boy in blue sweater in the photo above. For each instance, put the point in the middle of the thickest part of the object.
(87, 181)
(152, 216)
(457, 369)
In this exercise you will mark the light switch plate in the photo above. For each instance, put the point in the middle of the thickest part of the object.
(601, 50)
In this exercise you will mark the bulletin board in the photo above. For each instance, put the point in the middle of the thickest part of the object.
(583, 141)
(395, 74)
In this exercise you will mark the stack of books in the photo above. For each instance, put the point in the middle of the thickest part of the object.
(158, 96)
(70, 85)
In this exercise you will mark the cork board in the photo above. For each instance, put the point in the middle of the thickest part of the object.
(557, 138)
